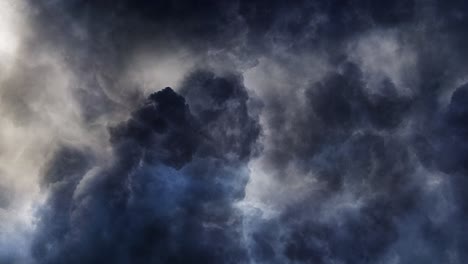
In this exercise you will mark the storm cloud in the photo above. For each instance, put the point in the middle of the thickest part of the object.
(233, 131)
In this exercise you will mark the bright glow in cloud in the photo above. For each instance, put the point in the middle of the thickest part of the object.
(9, 28)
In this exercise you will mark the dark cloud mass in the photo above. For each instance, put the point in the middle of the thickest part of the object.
(321, 132)
(168, 196)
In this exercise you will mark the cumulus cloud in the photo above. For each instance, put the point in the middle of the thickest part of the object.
(168, 195)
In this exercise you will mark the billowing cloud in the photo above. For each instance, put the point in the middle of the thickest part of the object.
(306, 132)
(169, 192)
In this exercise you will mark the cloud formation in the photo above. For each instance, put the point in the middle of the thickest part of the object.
(306, 132)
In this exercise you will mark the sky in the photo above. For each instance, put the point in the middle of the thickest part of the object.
(233, 131)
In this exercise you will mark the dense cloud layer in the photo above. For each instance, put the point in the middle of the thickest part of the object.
(294, 132)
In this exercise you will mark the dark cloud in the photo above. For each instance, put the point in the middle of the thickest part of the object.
(454, 132)
(366, 153)
(367, 186)
(252, 27)
(364, 171)
(340, 100)
(169, 195)
(221, 104)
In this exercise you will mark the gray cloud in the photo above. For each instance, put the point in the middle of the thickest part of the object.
(313, 132)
